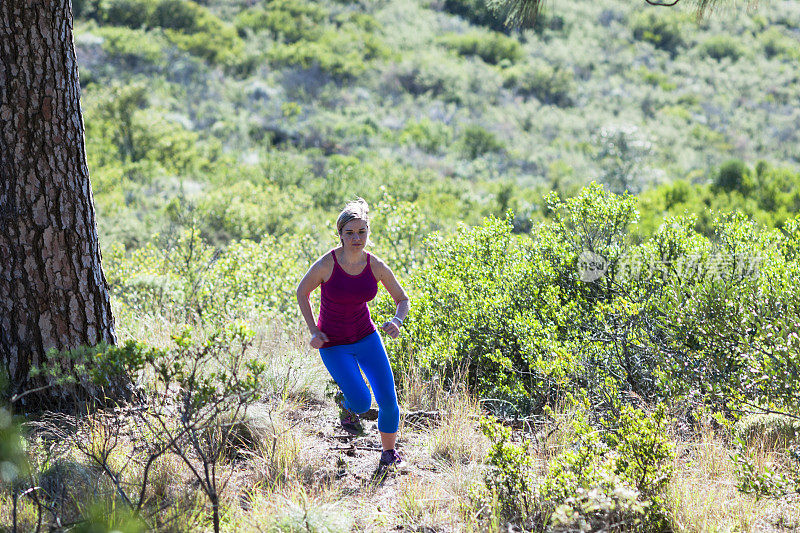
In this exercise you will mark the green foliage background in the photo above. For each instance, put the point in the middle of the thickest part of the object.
(598, 212)
(246, 120)
(223, 138)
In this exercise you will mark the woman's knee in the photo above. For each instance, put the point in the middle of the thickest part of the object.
(388, 417)
(389, 408)
(358, 400)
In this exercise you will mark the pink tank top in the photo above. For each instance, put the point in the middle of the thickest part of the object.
(343, 313)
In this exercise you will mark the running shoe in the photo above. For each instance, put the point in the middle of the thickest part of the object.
(392, 460)
(350, 420)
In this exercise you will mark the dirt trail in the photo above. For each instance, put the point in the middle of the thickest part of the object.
(371, 493)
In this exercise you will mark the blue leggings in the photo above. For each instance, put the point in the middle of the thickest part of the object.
(343, 363)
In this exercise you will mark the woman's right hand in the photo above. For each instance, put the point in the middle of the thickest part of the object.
(318, 339)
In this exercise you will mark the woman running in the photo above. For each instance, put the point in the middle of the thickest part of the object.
(345, 334)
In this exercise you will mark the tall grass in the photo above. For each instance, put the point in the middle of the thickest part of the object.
(703, 496)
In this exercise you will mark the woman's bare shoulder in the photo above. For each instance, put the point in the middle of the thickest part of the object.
(378, 266)
(324, 265)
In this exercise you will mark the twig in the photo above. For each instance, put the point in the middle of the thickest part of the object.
(766, 410)
(354, 447)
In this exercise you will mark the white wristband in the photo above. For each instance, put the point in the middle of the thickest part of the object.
(399, 322)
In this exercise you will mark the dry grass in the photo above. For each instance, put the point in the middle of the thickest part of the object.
(294, 370)
(290, 475)
(456, 439)
(703, 496)
(419, 393)
(156, 331)
(291, 469)
(291, 510)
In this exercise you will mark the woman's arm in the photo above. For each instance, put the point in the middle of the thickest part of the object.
(313, 279)
(386, 276)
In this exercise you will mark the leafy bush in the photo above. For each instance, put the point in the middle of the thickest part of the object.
(509, 477)
(133, 46)
(770, 196)
(720, 47)
(289, 21)
(734, 176)
(549, 84)
(769, 429)
(428, 74)
(476, 314)
(126, 134)
(84, 8)
(189, 280)
(343, 47)
(477, 12)
(663, 30)
(776, 44)
(614, 480)
(189, 26)
(195, 29)
(248, 211)
(604, 479)
(13, 461)
(344, 53)
(491, 47)
(621, 154)
(477, 141)
(430, 136)
(131, 13)
(197, 389)
(774, 480)
(645, 452)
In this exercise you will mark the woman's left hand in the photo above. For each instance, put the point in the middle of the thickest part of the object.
(391, 328)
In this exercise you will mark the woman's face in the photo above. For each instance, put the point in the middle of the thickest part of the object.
(355, 233)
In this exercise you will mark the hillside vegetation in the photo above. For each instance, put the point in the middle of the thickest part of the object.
(595, 220)
(261, 119)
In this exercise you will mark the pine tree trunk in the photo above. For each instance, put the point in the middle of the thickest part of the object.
(53, 293)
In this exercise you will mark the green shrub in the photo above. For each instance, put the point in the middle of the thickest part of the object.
(134, 14)
(188, 280)
(491, 47)
(677, 193)
(189, 26)
(430, 136)
(483, 310)
(107, 516)
(720, 47)
(429, 73)
(773, 480)
(663, 30)
(195, 29)
(344, 53)
(84, 8)
(613, 480)
(477, 12)
(509, 478)
(734, 175)
(289, 21)
(477, 141)
(180, 15)
(659, 79)
(645, 453)
(771, 430)
(248, 211)
(133, 46)
(549, 84)
(776, 44)
(13, 461)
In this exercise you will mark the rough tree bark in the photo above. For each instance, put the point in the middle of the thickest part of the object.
(53, 293)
